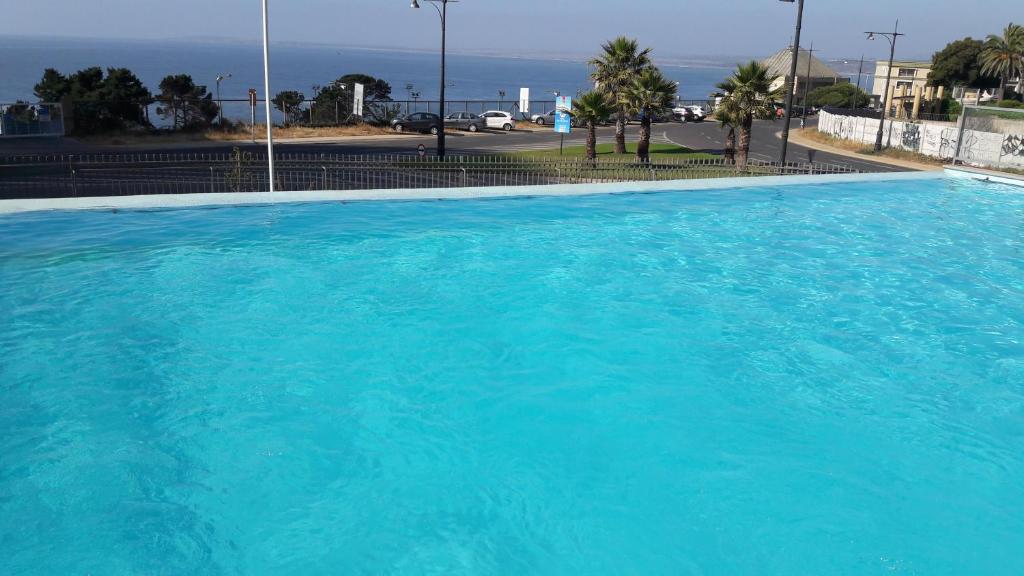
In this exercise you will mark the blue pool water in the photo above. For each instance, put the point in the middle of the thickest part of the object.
(822, 379)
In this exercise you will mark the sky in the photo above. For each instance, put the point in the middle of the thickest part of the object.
(673, 28)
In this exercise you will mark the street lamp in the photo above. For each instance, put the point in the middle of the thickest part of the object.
(501, 99)
(266, 90)
(891, 37)
(442, 11)
(220, 105)
(791, 87)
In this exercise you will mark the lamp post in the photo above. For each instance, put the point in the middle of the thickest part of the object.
(791, 88)
(891, 37)
(266, 91)
(220, 105)
(442, 11)
(501, 99)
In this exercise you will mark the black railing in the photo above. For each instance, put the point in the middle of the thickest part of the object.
(134, 174)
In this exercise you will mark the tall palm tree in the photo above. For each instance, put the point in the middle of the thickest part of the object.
(590, 109)
(649, 94)
(749, 99)
(726, 115)
(620, 61)
(1003, 56)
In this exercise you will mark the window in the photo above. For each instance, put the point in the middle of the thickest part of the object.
(905, 72)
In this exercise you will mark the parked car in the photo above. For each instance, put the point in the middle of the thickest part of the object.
(499, 120)
(692, 113)
(548, 118)
(683, 114)
(464, 121)
(545, 118)
(418, 122)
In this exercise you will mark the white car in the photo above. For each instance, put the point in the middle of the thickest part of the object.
(698, 113)
(499, 120)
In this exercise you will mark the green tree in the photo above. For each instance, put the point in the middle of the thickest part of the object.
(619, 63)
(374, 89)
(590, 109)
(113, 101)
(749, 97)
(53, 86)
(649, 94)
(187, 105)
(959, 64)
(1003, 56)
(289, 103)
(838, 96)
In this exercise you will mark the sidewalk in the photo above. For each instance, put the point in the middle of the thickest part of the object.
(797, 138)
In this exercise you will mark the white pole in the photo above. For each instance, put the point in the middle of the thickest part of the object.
(266, 93)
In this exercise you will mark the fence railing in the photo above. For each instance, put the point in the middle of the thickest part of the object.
(133, 174)
(23, 119)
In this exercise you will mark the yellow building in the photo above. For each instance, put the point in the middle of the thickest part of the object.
(905, 73)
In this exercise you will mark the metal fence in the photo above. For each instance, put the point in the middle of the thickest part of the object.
(991, 137)
(23, 119)
(133, 174)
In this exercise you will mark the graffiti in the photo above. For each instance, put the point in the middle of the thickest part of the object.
(911, 137)
(947, 143)
(1013, 145)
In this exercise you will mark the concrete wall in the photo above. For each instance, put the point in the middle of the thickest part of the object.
(936, 139)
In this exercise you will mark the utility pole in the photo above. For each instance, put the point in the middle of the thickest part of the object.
(807, 85)
(860, 70)
(791, 84)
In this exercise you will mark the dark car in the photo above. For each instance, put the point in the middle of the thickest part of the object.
(464, 121)
(418, 122)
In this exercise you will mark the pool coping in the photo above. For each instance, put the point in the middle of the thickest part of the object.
(984, 175)
(167, 201)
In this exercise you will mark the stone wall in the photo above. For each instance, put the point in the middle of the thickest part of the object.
(936, 139)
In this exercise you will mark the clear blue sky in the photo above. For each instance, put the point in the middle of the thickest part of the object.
(671, 27)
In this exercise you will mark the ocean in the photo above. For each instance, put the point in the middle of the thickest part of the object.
(300, 67)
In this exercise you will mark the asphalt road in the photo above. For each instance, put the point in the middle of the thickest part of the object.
(705, 136)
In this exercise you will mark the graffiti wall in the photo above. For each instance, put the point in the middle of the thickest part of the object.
(934, 139)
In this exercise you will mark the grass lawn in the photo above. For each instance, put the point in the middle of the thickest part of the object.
(606, 150)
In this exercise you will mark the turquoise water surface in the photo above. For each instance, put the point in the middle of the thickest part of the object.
(821, 379)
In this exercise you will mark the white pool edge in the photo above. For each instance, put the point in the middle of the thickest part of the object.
(257, 198)
(983, 175)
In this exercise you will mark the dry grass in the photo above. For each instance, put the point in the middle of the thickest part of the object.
(861, 148)
(216, 135)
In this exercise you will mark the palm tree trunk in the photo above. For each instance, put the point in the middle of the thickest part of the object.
(643, 146)
(591, 141)
(744, 148)
(730, 146)
(620, 132)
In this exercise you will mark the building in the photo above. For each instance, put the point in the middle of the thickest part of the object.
(905, 73)
(910, 77)
(819, 74)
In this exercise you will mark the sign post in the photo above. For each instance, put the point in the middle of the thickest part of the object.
(563, 123)
(524, 100)
(357, 102)
(252, 112)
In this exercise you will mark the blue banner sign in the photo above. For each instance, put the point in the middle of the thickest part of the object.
(563, 122)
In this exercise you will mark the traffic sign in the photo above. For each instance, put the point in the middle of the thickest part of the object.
(563, 122)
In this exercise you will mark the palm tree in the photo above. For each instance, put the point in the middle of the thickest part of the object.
(1003, 56)
(750, 98)
(621, 60)
(649, 94)
(726, 114)
(590, 109)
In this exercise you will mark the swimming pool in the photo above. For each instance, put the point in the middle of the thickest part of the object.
(817, 379)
